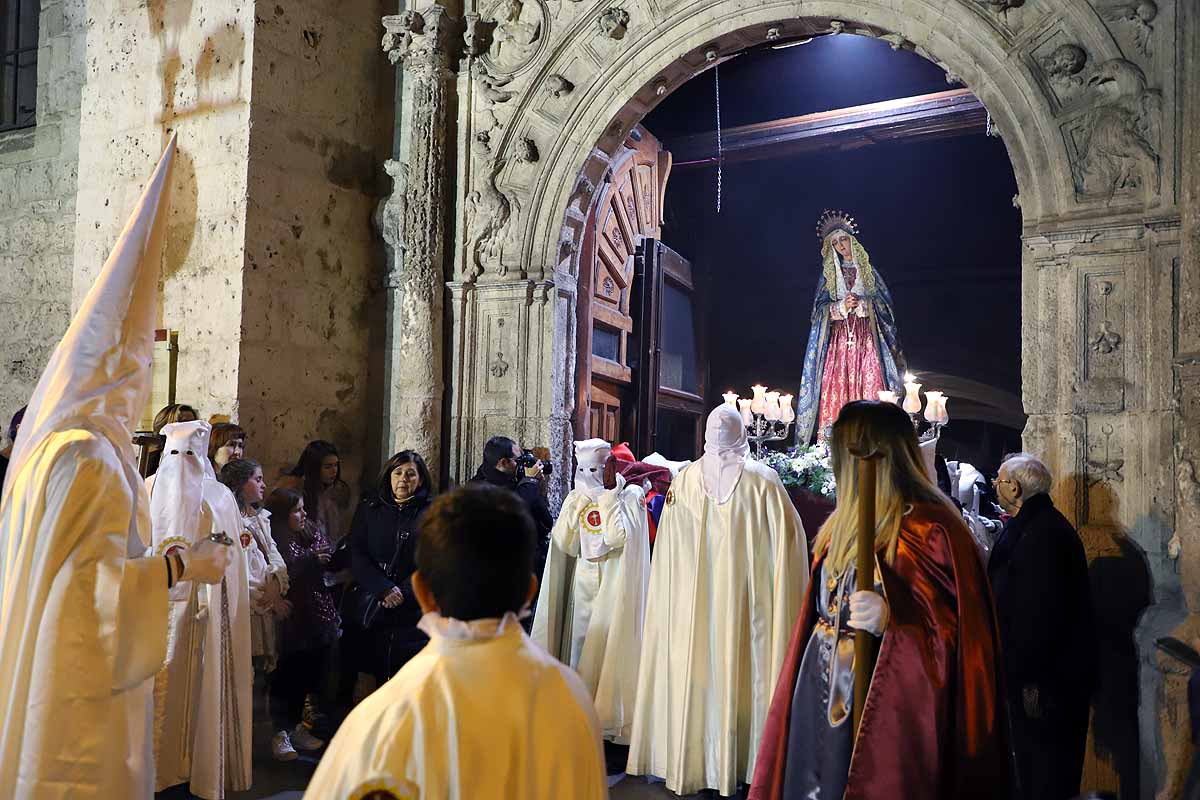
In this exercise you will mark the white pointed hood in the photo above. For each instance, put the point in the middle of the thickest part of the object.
(179, 486)
(725, 452)
(590, 457)
(100, 371)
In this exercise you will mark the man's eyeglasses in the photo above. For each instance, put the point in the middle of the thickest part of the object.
(997, 481)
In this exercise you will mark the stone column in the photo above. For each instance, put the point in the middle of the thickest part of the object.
(422, 43)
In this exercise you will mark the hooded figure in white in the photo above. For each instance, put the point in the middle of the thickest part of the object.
(726, 584)
(592, 599)
(83, 616)
(202, 697)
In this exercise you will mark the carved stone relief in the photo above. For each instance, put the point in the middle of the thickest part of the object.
(1001, 5)
(527, 151)
(614, 23)
(389, 217)
(518, 37)
(558, 86)
(1103, 470)
(1102, 321)
(1137, 15)
(1115, 141)
(489, 214)
(1062, 67)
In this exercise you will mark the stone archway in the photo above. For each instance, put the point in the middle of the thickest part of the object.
(544, 94)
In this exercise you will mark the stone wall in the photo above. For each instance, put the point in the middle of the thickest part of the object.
(154, 70)
(37, 209)
(321, 127)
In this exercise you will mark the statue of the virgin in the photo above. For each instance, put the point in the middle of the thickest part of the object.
(853, 349)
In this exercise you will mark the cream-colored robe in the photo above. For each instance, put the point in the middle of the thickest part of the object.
(590, 611)
(202, 696)
(726, 586)
(470, 720)
(83, 624)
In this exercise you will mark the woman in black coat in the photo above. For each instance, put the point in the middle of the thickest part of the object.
(383, 545)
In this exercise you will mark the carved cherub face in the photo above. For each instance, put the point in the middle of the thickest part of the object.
(1067, 59)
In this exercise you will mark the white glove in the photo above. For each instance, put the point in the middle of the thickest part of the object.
(868, 612)
(206, 561)
(620, 483)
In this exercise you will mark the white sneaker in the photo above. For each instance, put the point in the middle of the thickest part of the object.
(281, 747)
(303, 740)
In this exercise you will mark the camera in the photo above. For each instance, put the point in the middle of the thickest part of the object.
(527, 460)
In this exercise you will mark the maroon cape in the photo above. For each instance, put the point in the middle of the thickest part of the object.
(934, 725)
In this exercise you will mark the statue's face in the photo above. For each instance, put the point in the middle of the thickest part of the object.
(841, 243)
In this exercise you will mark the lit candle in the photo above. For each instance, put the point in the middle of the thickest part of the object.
(758, 405)
(787, 413)
(772, 409)
(888, 397)
(943, 414)
(932, 399)
(731, 398)
(912, 396)
(744, 407)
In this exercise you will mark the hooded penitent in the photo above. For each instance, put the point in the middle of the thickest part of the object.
(202, 697)
(730, 566)
(592, 598)
(83, 619)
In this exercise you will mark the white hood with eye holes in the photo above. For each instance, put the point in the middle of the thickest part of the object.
(590, 457)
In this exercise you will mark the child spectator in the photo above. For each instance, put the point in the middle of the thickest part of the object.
(308, 633)
(482, 711)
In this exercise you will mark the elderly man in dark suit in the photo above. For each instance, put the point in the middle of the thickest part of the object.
(1039, 576)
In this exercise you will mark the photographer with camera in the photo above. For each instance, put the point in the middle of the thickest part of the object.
(506, 465)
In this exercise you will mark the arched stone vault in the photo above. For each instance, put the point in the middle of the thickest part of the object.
(537, 97)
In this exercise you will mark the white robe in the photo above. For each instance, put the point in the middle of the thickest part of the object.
(267, 575)
(726, 586)
(202, 697)
(591, 604)
(83, 624)
(470, 720)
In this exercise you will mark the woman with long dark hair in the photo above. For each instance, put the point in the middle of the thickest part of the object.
(318, 477)
(383, 544)
(226, 443)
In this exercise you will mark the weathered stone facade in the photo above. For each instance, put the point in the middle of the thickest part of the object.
(37, 208)
(457, 320)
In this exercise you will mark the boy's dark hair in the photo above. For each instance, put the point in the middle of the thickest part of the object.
(475, 551)
(497, 447)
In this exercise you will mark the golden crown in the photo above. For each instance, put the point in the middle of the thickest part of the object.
(831, 221)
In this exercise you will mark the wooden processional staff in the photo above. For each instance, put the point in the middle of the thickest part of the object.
(865, 645)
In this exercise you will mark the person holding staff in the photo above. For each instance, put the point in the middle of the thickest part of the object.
(932, 725)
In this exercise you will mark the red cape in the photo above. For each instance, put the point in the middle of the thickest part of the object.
(934, 724)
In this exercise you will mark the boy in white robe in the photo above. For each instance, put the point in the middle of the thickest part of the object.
(726, 584)
(481, 712)
(83, 615)
(591, 605)
(202, 697)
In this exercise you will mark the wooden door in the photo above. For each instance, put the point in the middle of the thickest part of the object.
(627, 211)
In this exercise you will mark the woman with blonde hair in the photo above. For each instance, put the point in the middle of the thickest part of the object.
(932, 725)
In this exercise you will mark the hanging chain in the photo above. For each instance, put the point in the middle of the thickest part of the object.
(720, 145)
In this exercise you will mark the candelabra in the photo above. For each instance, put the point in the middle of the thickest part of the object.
(935, 407)
(768, 417)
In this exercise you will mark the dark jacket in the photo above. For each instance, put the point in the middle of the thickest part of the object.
(1039, 576)
(383, 546)
(530, 491)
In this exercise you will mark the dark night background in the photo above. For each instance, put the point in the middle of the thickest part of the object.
(935, 216)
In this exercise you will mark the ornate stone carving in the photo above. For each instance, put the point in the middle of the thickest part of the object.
(424, 37)
(1138, 14)
(389, 218)
(477, 37)
(491, 88)
(614, 23)
(499, 367)
(518, 35)
(1106, 340)
(559, 86)
(1063, 66)
(489, 212)
(481, 143)
(1103, 462)
(527, 151)
(1117, 139)
(1001, 5)
(582, 196)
